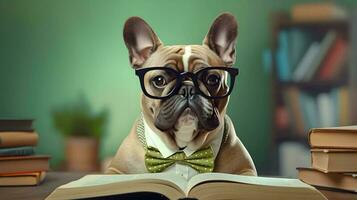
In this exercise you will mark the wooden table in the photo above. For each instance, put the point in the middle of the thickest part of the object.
(51, 182)
(55, 179)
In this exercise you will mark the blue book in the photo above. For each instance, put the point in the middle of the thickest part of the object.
(336, 108)
(299, 42)
(17, 151)
(282, 57)
(303, 98)
(312, 112)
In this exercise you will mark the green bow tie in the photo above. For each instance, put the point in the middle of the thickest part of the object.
(201, 160)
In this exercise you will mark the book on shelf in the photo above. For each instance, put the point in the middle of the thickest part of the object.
(318, 12)
(16, 164)
(334, 160)
(292, 45)
(343, 181)
(15, 139)
(333, 107)
(281, 117)
(302, 57)
(16, 125)
(306, 61)
(173, 186)
(324, 47)
(336, 58)
(343, 105)
(282, 57)
(22, 179)
(291, 99)
(310, 111)
(307, 110)
(326, 107)
(334, 97)
(299, 41)
(344, 137)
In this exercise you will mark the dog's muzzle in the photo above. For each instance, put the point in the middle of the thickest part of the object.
(173, 107)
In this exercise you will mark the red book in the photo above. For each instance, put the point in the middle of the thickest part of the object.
(334, 60)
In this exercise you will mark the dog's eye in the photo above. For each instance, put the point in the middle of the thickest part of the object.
(213, 80)
(159, 81)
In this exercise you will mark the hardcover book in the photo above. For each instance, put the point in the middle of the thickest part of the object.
(16, 125)
(334, 160)
(202, 186)
(17, 151)
(17, 164)
(22, 179)
(343, 181)
(334, 137)
(16, 139)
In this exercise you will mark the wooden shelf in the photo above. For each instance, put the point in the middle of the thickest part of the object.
(283, 20)
(319, 85)
(346, 29)
(287, 23)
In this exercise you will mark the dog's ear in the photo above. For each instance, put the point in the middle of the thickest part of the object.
(221, 38)
(140, 40)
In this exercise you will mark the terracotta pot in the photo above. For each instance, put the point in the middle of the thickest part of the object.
(82, 154)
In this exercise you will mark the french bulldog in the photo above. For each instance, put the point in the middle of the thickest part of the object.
(185, 95)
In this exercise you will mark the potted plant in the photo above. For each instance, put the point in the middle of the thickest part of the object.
(82, 129)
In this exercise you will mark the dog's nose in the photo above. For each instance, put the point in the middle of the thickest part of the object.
(187, 91)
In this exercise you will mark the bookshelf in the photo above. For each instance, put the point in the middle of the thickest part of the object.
(288, 92)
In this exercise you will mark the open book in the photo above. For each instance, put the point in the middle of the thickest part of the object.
(201, 186)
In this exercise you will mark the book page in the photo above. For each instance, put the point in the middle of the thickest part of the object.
(338, 128)
(174, 180)
(264, 181)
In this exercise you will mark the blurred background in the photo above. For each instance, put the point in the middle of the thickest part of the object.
(64, 64)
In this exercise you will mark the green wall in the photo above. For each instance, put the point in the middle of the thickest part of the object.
(51, 51)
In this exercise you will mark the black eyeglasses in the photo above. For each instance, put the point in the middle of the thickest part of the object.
(164, 82)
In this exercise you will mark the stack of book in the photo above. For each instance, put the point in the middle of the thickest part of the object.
(333, 157)
(18, 163)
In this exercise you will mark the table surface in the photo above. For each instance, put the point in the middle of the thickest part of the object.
(55, 179)
(51, 182)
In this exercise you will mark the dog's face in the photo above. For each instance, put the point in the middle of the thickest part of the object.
(188, 116)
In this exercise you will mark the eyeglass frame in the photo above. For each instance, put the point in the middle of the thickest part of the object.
(180, 77)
